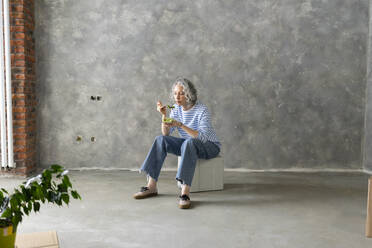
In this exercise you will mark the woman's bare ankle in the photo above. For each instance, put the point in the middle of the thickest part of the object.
(151, 184)
(185, 190)
(152, 187)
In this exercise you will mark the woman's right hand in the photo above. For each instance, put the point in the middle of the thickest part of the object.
(162, 109)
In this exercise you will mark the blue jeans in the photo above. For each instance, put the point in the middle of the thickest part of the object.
(189, 150)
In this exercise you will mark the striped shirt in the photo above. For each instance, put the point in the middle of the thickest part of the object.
(197, 118)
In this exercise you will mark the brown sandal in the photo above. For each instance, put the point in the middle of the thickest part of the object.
(184, 202)
(145, 193)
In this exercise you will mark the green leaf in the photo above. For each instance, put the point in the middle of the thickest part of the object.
(7, 213)
(25, 210)
(65, 198)
(23, 189)
(14, 203)
(66, 181)
(62, 188)
(2, 189)
(56, 168)
(39, 193)
(45, 192)
(27, 193)
(21, 197)
(47, 174)
(47, 177)
(50, 196)
(75, 194)
(36, 207)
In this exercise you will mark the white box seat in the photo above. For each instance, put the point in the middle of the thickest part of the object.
(208, 174)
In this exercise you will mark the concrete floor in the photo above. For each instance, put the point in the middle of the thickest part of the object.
(254, 210)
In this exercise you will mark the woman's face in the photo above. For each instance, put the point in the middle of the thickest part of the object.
(179, 95)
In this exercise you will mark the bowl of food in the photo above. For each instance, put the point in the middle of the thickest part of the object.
(168, 120)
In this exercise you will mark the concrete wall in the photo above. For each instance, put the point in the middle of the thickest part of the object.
(367, 142)
(284, 80)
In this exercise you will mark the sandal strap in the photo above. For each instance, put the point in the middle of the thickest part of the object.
(143, 189)
(185, 197)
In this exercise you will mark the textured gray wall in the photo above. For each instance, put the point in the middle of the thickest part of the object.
(367, 144)
(284, 80)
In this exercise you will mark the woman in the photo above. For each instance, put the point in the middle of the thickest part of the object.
(198, 140)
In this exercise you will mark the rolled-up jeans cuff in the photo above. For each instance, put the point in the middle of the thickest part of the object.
(149, 174)
(182, 181)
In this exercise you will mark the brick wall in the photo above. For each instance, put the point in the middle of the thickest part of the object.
(23, 85)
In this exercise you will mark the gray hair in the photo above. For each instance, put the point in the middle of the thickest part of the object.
(189, 89)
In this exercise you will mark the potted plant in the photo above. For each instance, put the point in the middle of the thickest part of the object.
(52, 185)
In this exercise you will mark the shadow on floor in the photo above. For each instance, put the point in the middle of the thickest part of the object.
(240, 195)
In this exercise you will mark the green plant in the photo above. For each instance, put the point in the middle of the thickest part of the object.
(53, 186)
